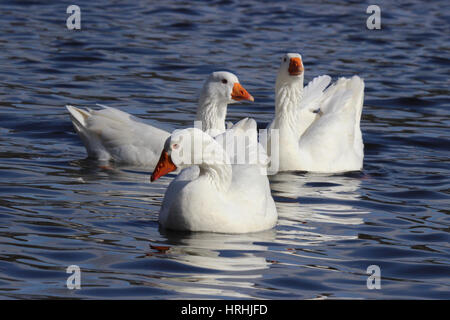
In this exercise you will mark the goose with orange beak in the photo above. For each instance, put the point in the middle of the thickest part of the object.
(110, 134)
(214, 195)
(318, 126)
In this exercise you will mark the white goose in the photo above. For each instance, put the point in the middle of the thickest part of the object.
(113, 135)
(215, 195)
(319, 129)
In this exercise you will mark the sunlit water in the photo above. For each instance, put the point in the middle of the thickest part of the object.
(58, 209)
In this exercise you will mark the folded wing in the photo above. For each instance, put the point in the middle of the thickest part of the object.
(111, 134)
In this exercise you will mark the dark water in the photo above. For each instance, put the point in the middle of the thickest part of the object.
(57, 209)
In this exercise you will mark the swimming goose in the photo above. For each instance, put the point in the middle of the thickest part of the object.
(318, 127)
(111, 134)
(216, 195)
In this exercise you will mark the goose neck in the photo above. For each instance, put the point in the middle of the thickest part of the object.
(287, 102)
(288, 96)
(212, 112)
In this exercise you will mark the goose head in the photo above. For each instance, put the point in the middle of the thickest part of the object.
(291, 69)
(289, 94)
(187, 147)
(220, 89)
(225, 88)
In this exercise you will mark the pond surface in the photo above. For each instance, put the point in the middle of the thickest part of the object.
(59, 209)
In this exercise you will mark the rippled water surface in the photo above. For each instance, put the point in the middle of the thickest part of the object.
(58, 208)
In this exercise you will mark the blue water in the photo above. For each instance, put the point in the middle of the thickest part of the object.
(58, 208)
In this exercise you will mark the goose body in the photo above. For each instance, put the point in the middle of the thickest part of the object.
(216, 195)
(318, 127)
(110, 134)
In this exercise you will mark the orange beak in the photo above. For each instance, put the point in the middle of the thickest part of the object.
(164, 166)
(295, 67)
(239, 93)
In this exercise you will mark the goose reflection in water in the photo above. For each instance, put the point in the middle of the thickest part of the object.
(217, 263)
(300, 200)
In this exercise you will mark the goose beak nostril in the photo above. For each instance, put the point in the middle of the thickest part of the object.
(239, 93)
(295, 67)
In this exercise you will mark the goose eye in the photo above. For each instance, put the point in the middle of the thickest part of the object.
(175, 146)
(224, 81)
